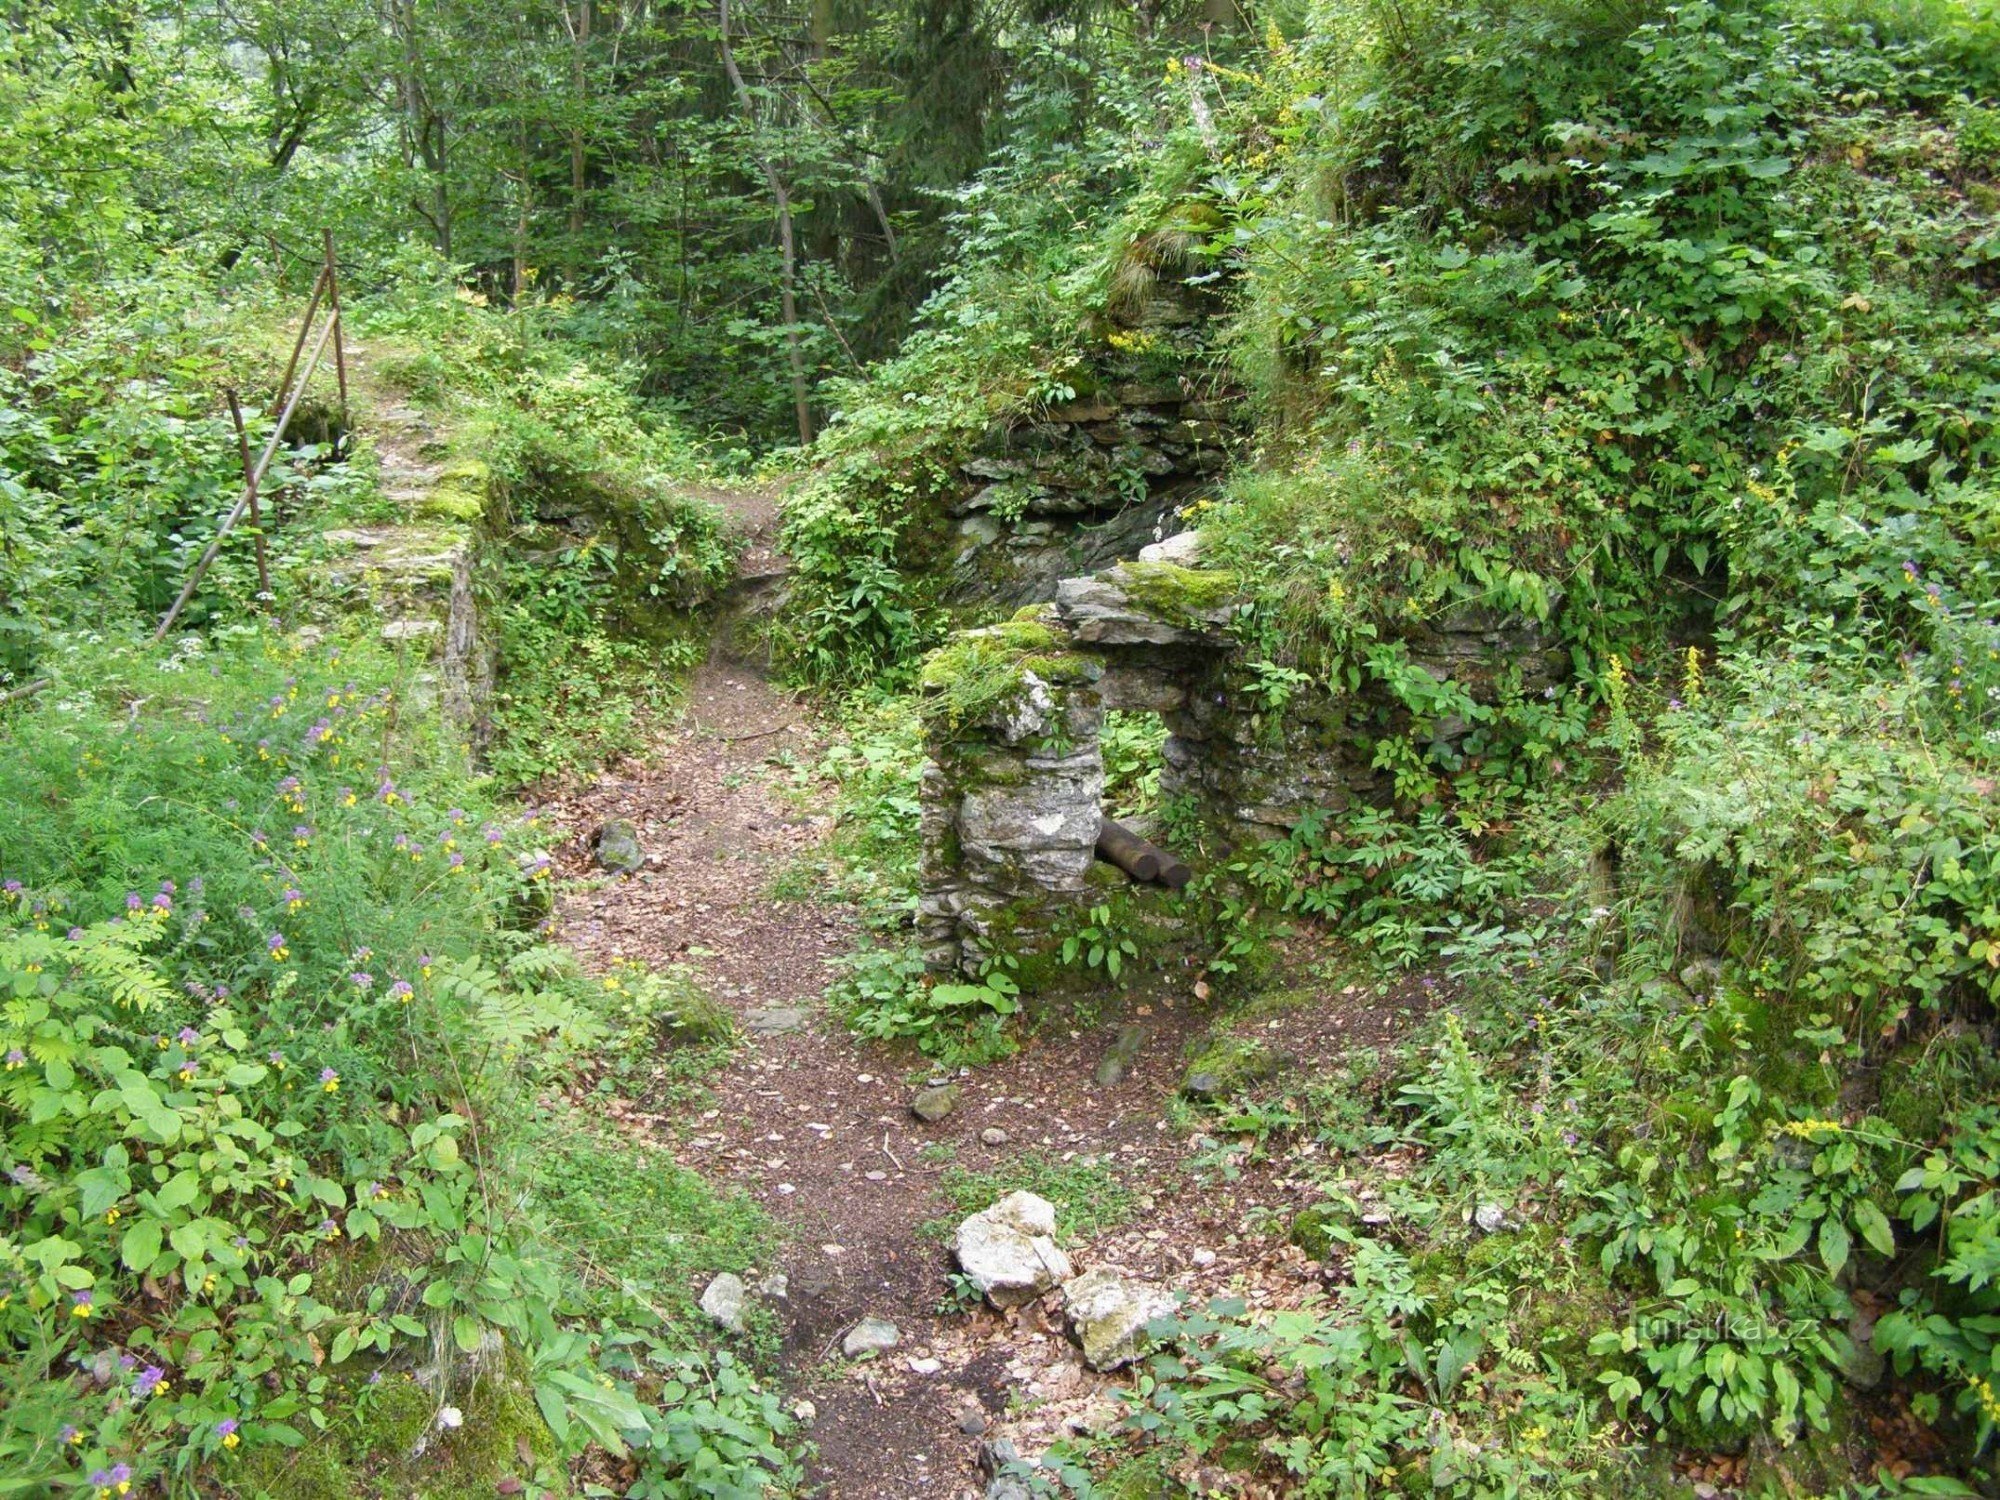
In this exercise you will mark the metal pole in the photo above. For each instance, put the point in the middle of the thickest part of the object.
(250, 483)
(339, 337)
(256, 478)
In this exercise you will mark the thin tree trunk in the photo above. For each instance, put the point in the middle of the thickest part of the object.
(787, 249)
(579, 84)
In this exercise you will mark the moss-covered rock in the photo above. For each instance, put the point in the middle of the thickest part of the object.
(981, 674)
(1177, 594)
(1230, 1065)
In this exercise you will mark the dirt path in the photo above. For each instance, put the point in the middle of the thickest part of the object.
(817, 1126)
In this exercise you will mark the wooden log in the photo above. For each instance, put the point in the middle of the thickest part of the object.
(1125, 849)
(1139, 859)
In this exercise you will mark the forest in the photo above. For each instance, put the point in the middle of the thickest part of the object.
(878, 749)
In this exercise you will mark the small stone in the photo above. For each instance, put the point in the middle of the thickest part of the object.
(933, 1104)
(1490, 1217)
(925, 1366)
(993, 1135)
(972, 1421)
(871, 1336)
(996, 1455)
(724, 1299)
(777, 1286)
(618, 848)
(1203, 1257)
(805, 1411)
(1182, 548)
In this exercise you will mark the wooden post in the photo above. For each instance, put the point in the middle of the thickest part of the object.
(332, 273)
(256, 478)
(298, 344)
(250, 485)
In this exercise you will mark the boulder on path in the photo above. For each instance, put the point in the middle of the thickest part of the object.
(1009, 1250)
(934, 1104)
(617, 848)
(1109, 1314)
(724, 1301)
(871, 1336)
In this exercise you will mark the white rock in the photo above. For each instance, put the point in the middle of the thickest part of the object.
(1009, 1250)
(926, 1366)
(1490, 1217)
(1183, 547)
(871, 1336)
(1203, 1257)
(723, 1301)
(1109, 1315)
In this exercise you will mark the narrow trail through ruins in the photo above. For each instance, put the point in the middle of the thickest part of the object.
(817, 1126)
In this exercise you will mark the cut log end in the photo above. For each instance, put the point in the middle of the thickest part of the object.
(1143, 861)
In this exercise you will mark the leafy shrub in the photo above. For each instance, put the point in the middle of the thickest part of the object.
(265, 1001)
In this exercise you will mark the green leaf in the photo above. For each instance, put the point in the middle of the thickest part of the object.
(140, 1246)
(180, 1190)
(465, 1332)
(1834, 1244)
(1874, 1227)
(189, 1240)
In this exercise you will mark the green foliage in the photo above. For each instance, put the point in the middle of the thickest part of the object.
(887, 994)
(1440, 284)
(1132, 745)
(259, 1017)
(1099, 944)
(876, 766)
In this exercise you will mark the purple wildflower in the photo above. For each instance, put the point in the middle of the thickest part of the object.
(189, 1036)
(148, 1381)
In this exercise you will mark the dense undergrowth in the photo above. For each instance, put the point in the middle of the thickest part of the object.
(298, 1196)
(1667, 330)
(1671, 329)
(277, 1005)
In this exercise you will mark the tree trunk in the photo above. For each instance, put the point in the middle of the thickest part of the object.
(579, 89)
(787, 247)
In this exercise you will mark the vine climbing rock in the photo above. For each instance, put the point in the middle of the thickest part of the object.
(1009, 1250)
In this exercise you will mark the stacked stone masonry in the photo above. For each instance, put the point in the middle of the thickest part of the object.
(1013, 791)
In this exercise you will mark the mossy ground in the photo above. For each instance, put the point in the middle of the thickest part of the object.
(383, 1436)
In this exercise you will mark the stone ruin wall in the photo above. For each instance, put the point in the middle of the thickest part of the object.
(1082, 485)
(1013, 795)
